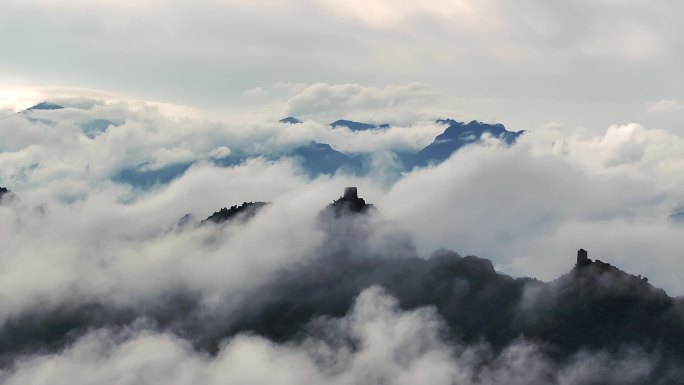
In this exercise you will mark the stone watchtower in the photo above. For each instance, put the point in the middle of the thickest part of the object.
(583, 258)
(350, 193)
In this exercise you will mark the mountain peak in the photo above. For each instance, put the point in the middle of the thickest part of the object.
(586, 264)
(350, 203)
(290, 120)
(459, 134)
(320, 158)
(45, 106)
(356, 126)
(6, 195)
(244, 212)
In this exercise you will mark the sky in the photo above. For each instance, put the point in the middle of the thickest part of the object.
(528, 64)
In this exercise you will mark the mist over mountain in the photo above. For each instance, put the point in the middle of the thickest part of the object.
(131, 239)
(341, 192)
(243, 212)
(357, 126)
(45, 106)
(143, 177)
(587, 325)
(290, 120)
(460, 134)
(321, 158)
(95, 127)
(316, 158)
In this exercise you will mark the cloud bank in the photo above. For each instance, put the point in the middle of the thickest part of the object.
(539, 200)
(112, 261)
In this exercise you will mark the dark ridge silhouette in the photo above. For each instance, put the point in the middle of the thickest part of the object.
(583, 262)
(45, 106)
(595, 307)
(586, 310)
(356, 126)
(244, 212)
(290, 120)
(598, 306)
(577, 312)
(457, 135)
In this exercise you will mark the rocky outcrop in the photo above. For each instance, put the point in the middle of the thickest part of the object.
(583, 262)
(244, 212)
(349, 203)
(6, 195)
(598, 306)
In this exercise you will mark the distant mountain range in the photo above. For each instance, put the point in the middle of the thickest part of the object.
(90, 128)
(315, 158)
(45, 106)
(456, 136)
(322, 159)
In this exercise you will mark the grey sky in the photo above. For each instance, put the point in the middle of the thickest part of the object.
(525, 63)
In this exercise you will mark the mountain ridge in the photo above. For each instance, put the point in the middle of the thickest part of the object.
(594, 307)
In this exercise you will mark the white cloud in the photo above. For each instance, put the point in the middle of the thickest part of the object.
(664, 106)
(538, 201)
(220, 152)
(53, 154)
(255, 92)
(530, 207)
(293, 87)
(74, 233)
(353, 101)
